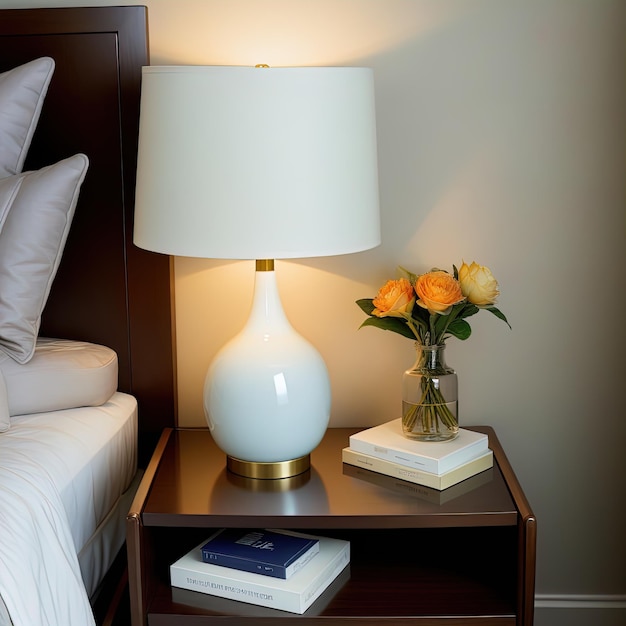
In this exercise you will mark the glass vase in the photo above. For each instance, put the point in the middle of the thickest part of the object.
(430, 397)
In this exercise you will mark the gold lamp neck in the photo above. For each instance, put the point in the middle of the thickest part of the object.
(265, 265)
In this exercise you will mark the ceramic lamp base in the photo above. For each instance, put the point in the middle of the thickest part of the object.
(267, 392)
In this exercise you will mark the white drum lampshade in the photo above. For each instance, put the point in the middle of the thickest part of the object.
(263, 164)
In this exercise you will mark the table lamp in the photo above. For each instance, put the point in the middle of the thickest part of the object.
(260, 163)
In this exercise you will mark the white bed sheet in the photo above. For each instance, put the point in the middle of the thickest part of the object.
(89, 453)
(86, 459)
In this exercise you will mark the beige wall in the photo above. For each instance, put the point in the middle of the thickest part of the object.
(502, 128)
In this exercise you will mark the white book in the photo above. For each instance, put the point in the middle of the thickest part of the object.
(224, 606)
(386, 441)
(435, 481)
(294, 595)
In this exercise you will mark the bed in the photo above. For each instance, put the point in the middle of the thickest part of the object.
(87, 376)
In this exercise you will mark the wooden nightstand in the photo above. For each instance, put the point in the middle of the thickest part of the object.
(465, 555)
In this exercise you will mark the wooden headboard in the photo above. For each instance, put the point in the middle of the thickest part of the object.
(107, 290)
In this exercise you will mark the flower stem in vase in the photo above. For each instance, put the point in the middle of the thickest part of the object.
(429, 401)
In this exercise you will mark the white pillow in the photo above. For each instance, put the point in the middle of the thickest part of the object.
(63, 374)
(22, 92)
(32, 239)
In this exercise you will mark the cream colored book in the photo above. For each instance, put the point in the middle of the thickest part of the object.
(236, 609)
(404, 472)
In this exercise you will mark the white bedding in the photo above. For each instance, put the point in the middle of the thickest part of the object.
(61, 475)
(62, 470)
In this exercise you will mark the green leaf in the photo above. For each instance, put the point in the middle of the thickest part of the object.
(460, 329)
(468, 310)
(499, 314)
(440, 323)
(422, 323)
(394, 324)
(420, 315)
(366, 305)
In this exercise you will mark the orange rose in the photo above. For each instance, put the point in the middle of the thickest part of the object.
(438, 291)
(394, 299)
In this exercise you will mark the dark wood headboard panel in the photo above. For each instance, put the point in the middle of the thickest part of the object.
(107, 290)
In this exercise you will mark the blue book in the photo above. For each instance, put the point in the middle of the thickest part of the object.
(276, 553)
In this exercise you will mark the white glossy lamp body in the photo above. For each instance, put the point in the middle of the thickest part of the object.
(267, 393)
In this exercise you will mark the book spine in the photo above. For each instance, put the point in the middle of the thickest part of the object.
(225, 587)
(244, 565)
(402, 472)
(259, 567)
(394, 456)
(389, 468)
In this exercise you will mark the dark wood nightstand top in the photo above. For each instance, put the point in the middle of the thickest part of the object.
(191, 487)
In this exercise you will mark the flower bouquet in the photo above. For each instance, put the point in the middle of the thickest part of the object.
(428, 308)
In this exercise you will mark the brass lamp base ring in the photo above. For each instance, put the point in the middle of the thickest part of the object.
(269, 471)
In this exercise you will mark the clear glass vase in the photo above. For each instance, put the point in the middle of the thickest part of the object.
(430, 397)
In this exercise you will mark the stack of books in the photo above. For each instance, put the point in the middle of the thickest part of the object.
(277, 569)
(439, 465)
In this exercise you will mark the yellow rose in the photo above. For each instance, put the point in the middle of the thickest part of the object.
(438, 291)
(394, 299)
(478, 284)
